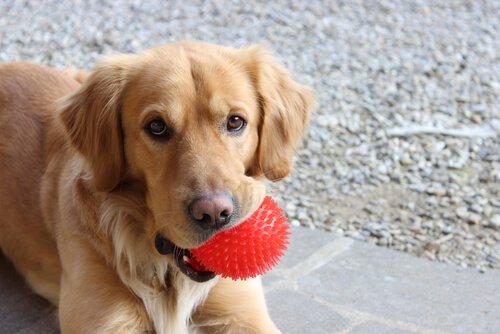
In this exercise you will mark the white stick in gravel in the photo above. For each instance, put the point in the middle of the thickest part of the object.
(482, 131)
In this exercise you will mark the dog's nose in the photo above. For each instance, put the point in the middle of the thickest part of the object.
(212, 211)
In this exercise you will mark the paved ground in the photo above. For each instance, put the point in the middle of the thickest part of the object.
(331, 284)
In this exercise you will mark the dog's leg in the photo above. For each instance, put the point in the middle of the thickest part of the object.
(31, 249)
(235, 307)
(93, 299)
(39, 265)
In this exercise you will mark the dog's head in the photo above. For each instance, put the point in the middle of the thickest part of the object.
(197, 125)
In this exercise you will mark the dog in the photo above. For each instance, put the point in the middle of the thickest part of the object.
(108, 178)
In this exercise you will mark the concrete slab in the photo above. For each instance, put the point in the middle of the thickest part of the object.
(371, 285)
(376, 327)
(322, 319)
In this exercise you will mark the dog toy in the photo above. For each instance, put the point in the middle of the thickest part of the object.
(250, 248)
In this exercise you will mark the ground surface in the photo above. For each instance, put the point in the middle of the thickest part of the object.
(329, 284)
(403, 150)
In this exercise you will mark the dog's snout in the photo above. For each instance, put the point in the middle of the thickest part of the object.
(212, 211)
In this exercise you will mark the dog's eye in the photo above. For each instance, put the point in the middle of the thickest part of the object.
(157, 128)
(235, 123)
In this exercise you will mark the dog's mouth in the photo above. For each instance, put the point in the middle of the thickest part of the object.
(191, 267)
(186, 263)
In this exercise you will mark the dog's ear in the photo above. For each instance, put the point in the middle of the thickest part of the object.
(91, 117)
(285, 107)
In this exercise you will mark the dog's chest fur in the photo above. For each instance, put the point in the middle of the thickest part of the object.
(168, 304)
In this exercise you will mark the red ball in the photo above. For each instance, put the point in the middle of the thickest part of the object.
(250, 248)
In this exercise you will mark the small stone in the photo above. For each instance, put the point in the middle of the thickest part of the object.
(406, 160)
(455, 200)
(436, 191)
(418, 187)
(495, 221)
(473, 218)
(492, 259)
(416, 227)
(410, 206)
(432, 201)
(338, 232)
(476, 208)
(476, 118)
(354, 234)
(290, 207)
(438, 147)
(432, 247)
(332, 122)
(382, 169)
(302, 214)
(487, 211)
(462, 212)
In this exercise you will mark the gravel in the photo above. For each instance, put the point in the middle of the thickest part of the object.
(403, 150)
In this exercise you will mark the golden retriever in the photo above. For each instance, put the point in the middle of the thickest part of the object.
(107, 180)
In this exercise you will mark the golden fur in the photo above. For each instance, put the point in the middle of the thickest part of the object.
(84, 189)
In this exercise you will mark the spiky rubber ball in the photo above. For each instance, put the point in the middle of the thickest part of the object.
(250, 248)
